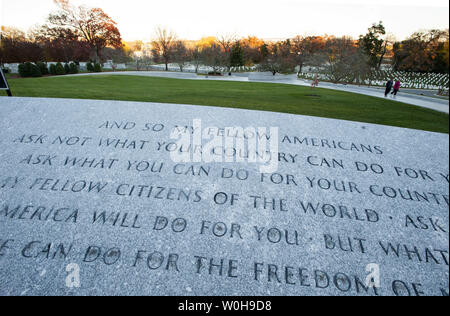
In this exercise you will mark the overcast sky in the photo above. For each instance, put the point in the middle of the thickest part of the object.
(193, 19)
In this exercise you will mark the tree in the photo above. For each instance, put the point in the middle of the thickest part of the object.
(227, 42)
(237, 55)
(60, 69)
(35, 71)
(360, 69)
(195, 54)
(97, 67)
(305, 48)
(441, 61)
(67, 68)
(18, 47)
(253, 53)
(212, 57)
(373, 44)
(90, 67)
(163, 46)
(62, 45)
(25, 69)
(139, 53)
(73, 68)
(279, 58)
(143, 62)
(52, 69)
(423, 52)
(91, 25)
(180, 54)
(117, 55)
(340, 54)
(43, 68)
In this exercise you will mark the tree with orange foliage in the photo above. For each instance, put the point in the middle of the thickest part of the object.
(423, 52)
(206, 42)
(91, 25)
(279, 58)
(252, 47)
(340, 55)
(305, 48)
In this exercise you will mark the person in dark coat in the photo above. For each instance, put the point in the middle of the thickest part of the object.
(389, 86)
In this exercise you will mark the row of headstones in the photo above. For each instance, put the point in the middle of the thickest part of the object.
(431, 81)
(111, 65)
(427, 78)
(190, 68)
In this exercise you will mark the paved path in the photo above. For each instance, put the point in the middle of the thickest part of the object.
(436, 104)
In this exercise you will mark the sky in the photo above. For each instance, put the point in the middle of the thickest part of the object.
(268, 19)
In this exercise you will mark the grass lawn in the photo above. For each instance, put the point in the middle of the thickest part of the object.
(254, 96)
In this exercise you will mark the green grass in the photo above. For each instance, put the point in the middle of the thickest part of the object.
(254, 96)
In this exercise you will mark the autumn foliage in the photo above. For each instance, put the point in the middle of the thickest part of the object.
(79, 33)
(70, 34)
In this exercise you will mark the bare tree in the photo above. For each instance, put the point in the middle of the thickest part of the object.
(163, 46)
(195, 54)
(180, 54)
(389, 40)
(212, 56)
(360, 68)
(227, 42)
(143, 62)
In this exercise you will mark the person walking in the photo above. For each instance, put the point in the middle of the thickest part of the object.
(396, 88)
(315, 83)
(389, 86)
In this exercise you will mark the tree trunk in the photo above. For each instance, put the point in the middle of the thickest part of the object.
(94, 54)
(382, 56)
(97, 54)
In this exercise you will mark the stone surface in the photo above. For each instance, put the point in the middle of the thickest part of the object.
(380, 196)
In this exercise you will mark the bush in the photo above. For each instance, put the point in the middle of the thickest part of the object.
(73, 68)
(35, 71)
(5, 70)
(25, 70)
(90, 67)
(60, 69)
(97, 67)
(22, 71)
(67, 68)
(43, 68)
(53, 69)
